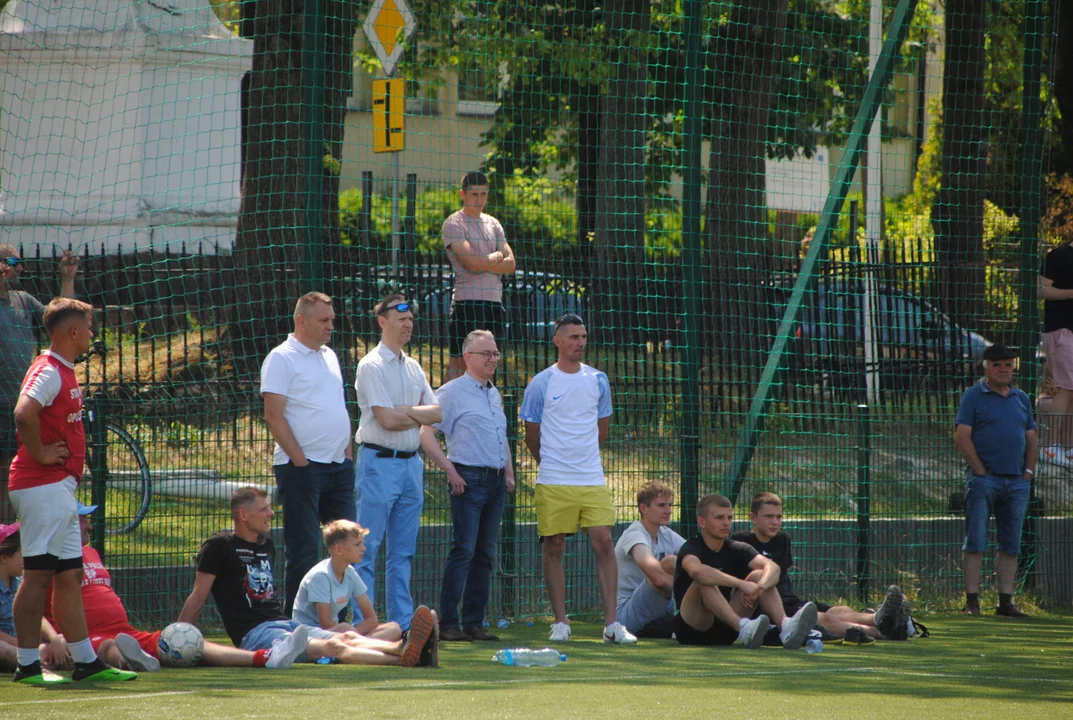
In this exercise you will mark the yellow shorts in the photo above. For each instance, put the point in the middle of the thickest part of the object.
(561, 509)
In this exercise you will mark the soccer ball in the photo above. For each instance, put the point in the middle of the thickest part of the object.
(180, 645)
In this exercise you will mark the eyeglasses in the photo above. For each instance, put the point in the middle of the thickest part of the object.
(488, 354)
(401, 307)
(568, 319)
(13, 261)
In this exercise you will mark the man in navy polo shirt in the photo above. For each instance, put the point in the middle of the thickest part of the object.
(996, 435)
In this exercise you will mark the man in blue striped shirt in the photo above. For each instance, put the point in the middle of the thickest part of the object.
(479, 471)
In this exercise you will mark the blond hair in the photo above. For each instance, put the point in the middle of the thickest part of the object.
(307, 302)
(338, 531)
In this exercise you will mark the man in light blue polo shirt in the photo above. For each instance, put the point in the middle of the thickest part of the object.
(478, 468)
(996, 434)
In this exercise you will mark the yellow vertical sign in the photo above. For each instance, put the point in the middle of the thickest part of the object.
(389, 101)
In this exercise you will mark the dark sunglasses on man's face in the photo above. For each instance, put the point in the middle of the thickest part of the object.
(13, 261)
(401, 307)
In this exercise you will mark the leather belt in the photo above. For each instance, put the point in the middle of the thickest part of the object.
(481, 469)
(386, 452)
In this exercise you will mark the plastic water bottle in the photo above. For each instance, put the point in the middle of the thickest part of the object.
(814, 646)
(503, 624)
(526, 657)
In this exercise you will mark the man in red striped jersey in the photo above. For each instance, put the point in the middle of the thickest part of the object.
(42, 482)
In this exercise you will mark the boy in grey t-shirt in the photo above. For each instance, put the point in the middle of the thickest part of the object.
(331, 584)
(647, 554)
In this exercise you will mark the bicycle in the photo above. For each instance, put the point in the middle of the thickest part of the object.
(111, 450)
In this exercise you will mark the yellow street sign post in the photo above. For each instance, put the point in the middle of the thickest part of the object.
(389, 101)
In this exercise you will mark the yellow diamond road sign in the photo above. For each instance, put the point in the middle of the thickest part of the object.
(389, 23)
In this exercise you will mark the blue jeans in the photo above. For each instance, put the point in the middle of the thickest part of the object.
(1005, 497)
(390, 496)
(311, 495)
(475, 516)
(267, 633)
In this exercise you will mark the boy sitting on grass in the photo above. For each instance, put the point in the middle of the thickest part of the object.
(768, 538)
(329, 586)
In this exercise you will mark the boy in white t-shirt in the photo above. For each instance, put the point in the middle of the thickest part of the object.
(567, 414)
(332, 583)
(647, 554)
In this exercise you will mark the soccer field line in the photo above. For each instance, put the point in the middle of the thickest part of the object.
(97, 698)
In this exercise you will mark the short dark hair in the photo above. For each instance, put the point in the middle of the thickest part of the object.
(61, 309)
(473, 178)
(568, 319)
(762, 499)
(244, 497)
(712, 501)
(10, 545)
(387, 301)
(652, 490)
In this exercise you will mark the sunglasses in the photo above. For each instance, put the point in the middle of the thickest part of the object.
(13, 261)
(401, 307)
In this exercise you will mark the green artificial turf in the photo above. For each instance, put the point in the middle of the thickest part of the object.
(970, 667)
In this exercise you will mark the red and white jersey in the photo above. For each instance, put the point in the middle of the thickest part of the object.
(51, 381)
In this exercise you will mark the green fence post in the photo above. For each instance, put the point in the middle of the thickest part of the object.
(689, 373)
(509, 530)
(864, 500)
(99, 466)
(1031, 199)
(314, 28)
(870, 103)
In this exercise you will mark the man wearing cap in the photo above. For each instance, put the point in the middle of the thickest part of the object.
(305, 409)
(996, 434)
(480, 474)
(395, 400)
(20, 314)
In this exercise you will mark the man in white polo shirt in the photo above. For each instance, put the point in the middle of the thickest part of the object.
(305, 408)
(567, 414)
(395, 400)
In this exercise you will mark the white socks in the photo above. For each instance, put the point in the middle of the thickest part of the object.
(29, 656)
(82, 651)
(742, 622)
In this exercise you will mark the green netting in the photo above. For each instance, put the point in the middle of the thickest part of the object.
(660, 167)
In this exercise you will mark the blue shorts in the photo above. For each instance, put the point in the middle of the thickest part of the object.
(1005, 497)
(264, 635)
(643, 607)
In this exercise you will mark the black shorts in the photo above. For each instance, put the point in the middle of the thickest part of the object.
(469, 315)
(718, 634)
(790, 605)
(9, 443)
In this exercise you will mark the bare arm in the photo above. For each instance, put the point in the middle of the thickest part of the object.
(769, 578)
(196, 601)
(422, 414)
(475, 263)
(281, 430)
(325, 618)
(963, 442)
(532, 439)
(651, 567)
(509, 471)
(431, 445)
(394, 419)
(1048, 291)
(68, 269)
(369, 619)
(1031, 448)
(603, 426)
(28, 424)
(507, 266)
(709, 576)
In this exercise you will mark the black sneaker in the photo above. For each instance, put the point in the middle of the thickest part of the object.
(477, 632)
(455, 634)
(32, 674)
(430, 654)
(100, 671)
(1010, 611)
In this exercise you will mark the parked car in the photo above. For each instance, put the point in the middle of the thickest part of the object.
(917, 344)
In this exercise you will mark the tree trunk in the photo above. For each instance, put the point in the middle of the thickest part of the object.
(1063, 84)
(620, 183)
(958, 214)
(746, 58)
(273, 217)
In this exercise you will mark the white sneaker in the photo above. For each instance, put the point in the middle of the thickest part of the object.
(752, 634)
(560, 632)
(136, 658)
(617, 634)
(284, 652)
(1055, 455)
(796, 630)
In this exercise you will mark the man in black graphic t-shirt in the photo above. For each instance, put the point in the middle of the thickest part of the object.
(767, 538)
(719, 584)
(236, 567)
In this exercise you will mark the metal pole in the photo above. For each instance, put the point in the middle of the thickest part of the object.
(870, 102)
(873, 216)
(1031, 199)
(313, 51)
(689, 379)
(396, 233)
(508, 551)
(99, 468)
(864, 497)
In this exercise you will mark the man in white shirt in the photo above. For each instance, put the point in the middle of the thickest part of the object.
(647, 554)
(305, 408)
(567, 414)
(395, 401)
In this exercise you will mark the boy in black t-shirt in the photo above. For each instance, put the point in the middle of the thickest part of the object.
(767, 538)
(719, 584)
(236, 567)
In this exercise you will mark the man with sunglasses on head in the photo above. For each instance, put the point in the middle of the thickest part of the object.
(480, 474)
(305, 409)
(567, 414)
(396, 401)
(20, 314)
